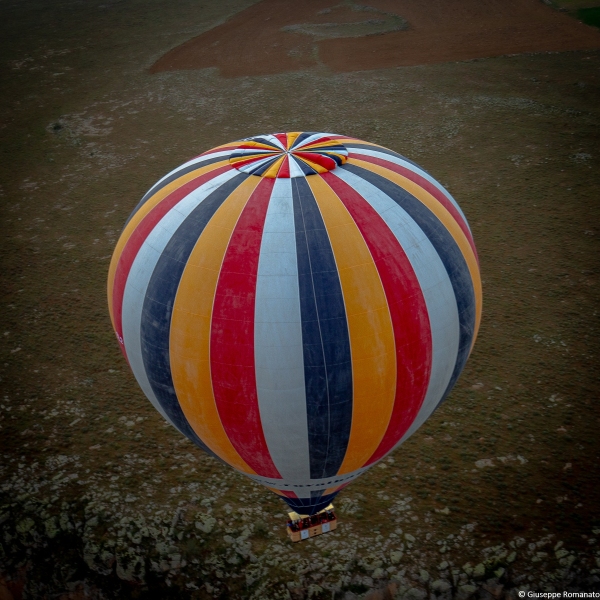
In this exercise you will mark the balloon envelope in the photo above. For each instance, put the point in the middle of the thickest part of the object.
(297, 305)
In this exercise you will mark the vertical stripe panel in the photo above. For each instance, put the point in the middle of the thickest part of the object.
(191, 323)
(141, 272)
(278, 340)
(449, 252)
(154, 212)
(205, 174)
(390, 155)
(326, 344)
(159, 299)
(232, 336)
(418, 178)
(369, 324)
(410, 322)
(191, 167)
(434, 281)
(436, 209)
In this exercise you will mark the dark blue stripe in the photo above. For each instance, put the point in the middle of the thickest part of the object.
(159, 300)
(306, 169)
(330, 154)
(265, 166)
(157, 187)
(312, 505)
(262, 140)
(325, 338)
(302, 137)
(350, 146)
(449, 253)
(245, 154)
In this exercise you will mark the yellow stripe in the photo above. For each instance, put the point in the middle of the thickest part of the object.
(272, 171)
(370, 327)
(330, 142)
(141, 213)
(222, 147)
(253, 144)
(446, 219)
(191, 324)
(246, 157)
(341, 156)
(342, 140)
(291, 138)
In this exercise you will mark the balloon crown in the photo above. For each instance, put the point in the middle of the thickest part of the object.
(285, 155)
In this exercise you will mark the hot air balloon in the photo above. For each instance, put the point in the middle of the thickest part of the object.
(297, 305)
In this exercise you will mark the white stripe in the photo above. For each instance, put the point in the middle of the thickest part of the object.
(273, 140)
(248, 168)
(141, 271)
(256, 151)
(312, 138)
(303, 487)
(435, 285)
(295, 170)
(404, 163)
(195, 161)
(278, 340)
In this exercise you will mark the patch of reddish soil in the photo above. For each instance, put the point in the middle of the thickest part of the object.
(253, 43)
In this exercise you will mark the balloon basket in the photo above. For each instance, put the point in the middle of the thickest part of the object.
(302, 527)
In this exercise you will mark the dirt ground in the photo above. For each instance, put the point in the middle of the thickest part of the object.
(278, 36)
(497, 493)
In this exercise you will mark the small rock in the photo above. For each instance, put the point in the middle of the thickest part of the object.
(424, 575)
(479, 570)
(207, 524)
(467, 588)
(51, 527)
(440, 585)
(25, 525)
(93, 522)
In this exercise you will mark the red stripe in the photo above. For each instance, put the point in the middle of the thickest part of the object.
(232, 336)
(320, 159)
(258, 146)
(282, 137)
(284, 170)
(410, 320)
(313, 143)
(427, 186)
(222, 148)
(138, 237)
(247, 161)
